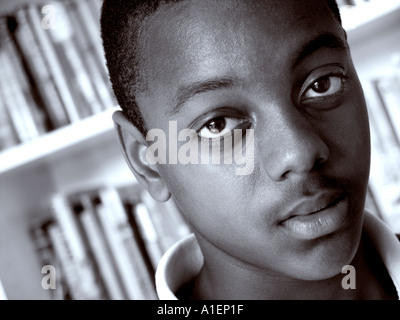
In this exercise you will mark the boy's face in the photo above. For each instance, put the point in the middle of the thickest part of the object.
(280, 68)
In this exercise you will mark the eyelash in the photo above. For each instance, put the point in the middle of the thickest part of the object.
(242, 124)
(313, 100)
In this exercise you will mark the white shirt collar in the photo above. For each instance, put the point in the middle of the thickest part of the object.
(184, 260)
(179, 265)
(387, 246)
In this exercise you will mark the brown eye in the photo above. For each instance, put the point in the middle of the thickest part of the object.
(219, 126)
(322, 85)
(216, 125)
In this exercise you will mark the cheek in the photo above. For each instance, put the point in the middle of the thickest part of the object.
(358, 120)
(348, 131)
(356, 138)
(198, 188)
(220, 208)
(350, 148)
(211, 197)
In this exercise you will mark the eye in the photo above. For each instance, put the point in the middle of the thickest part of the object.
(324, 86)
(218, 127)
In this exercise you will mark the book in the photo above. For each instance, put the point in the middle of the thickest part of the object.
(148, 233)
(88, 52)
(90, 17)
(105, 242)
(95, 8)
(64, 40)
(8, 136)
(74, 249)
(136, 279)
(388, 91)
(84, 208)
(14, 102)
(67, 265)
(18, 97)
(34, 19)
(130, 197)
(38, 69)
(47, 257)
(36, 117)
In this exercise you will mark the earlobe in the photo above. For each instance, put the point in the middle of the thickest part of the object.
(133, 146)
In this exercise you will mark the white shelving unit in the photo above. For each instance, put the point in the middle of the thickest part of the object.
(57, 140)
(367, 12)
(85, 153)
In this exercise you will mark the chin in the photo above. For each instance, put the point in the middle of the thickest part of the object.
(328, 258)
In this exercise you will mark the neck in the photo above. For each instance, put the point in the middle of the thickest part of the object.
(225, 277)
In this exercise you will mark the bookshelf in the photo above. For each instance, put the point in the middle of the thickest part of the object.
(64, 138)
(364, 15)
(67, 160)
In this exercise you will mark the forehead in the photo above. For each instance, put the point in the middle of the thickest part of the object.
(196, 40)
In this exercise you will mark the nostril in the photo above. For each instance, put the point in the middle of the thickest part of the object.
(319, 161)
(318, 164)
(284, 175)
(299, 149)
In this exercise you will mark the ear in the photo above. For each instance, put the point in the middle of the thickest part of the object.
(134, 145)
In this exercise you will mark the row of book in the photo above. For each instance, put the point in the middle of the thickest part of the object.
(53, 70)
(383, 102)
(105, 243)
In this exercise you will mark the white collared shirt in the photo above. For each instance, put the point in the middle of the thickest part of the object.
(184, 260)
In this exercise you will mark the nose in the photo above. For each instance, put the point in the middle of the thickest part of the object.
(296, 147)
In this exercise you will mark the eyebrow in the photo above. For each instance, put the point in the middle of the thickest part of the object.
(187, 92)
(324, 40)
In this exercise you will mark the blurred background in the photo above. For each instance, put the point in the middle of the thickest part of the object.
(56, 188)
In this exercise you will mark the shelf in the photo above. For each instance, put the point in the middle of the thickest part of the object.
(57, 140)
(365, 20)
(356, 17)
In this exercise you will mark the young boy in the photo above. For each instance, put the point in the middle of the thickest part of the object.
(280, 74)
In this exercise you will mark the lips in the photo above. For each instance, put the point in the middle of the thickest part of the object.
(318, 215)
(313, 204)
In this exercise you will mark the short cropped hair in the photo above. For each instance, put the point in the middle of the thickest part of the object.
(121, 24)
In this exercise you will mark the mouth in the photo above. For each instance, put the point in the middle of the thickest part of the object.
(317, 216)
